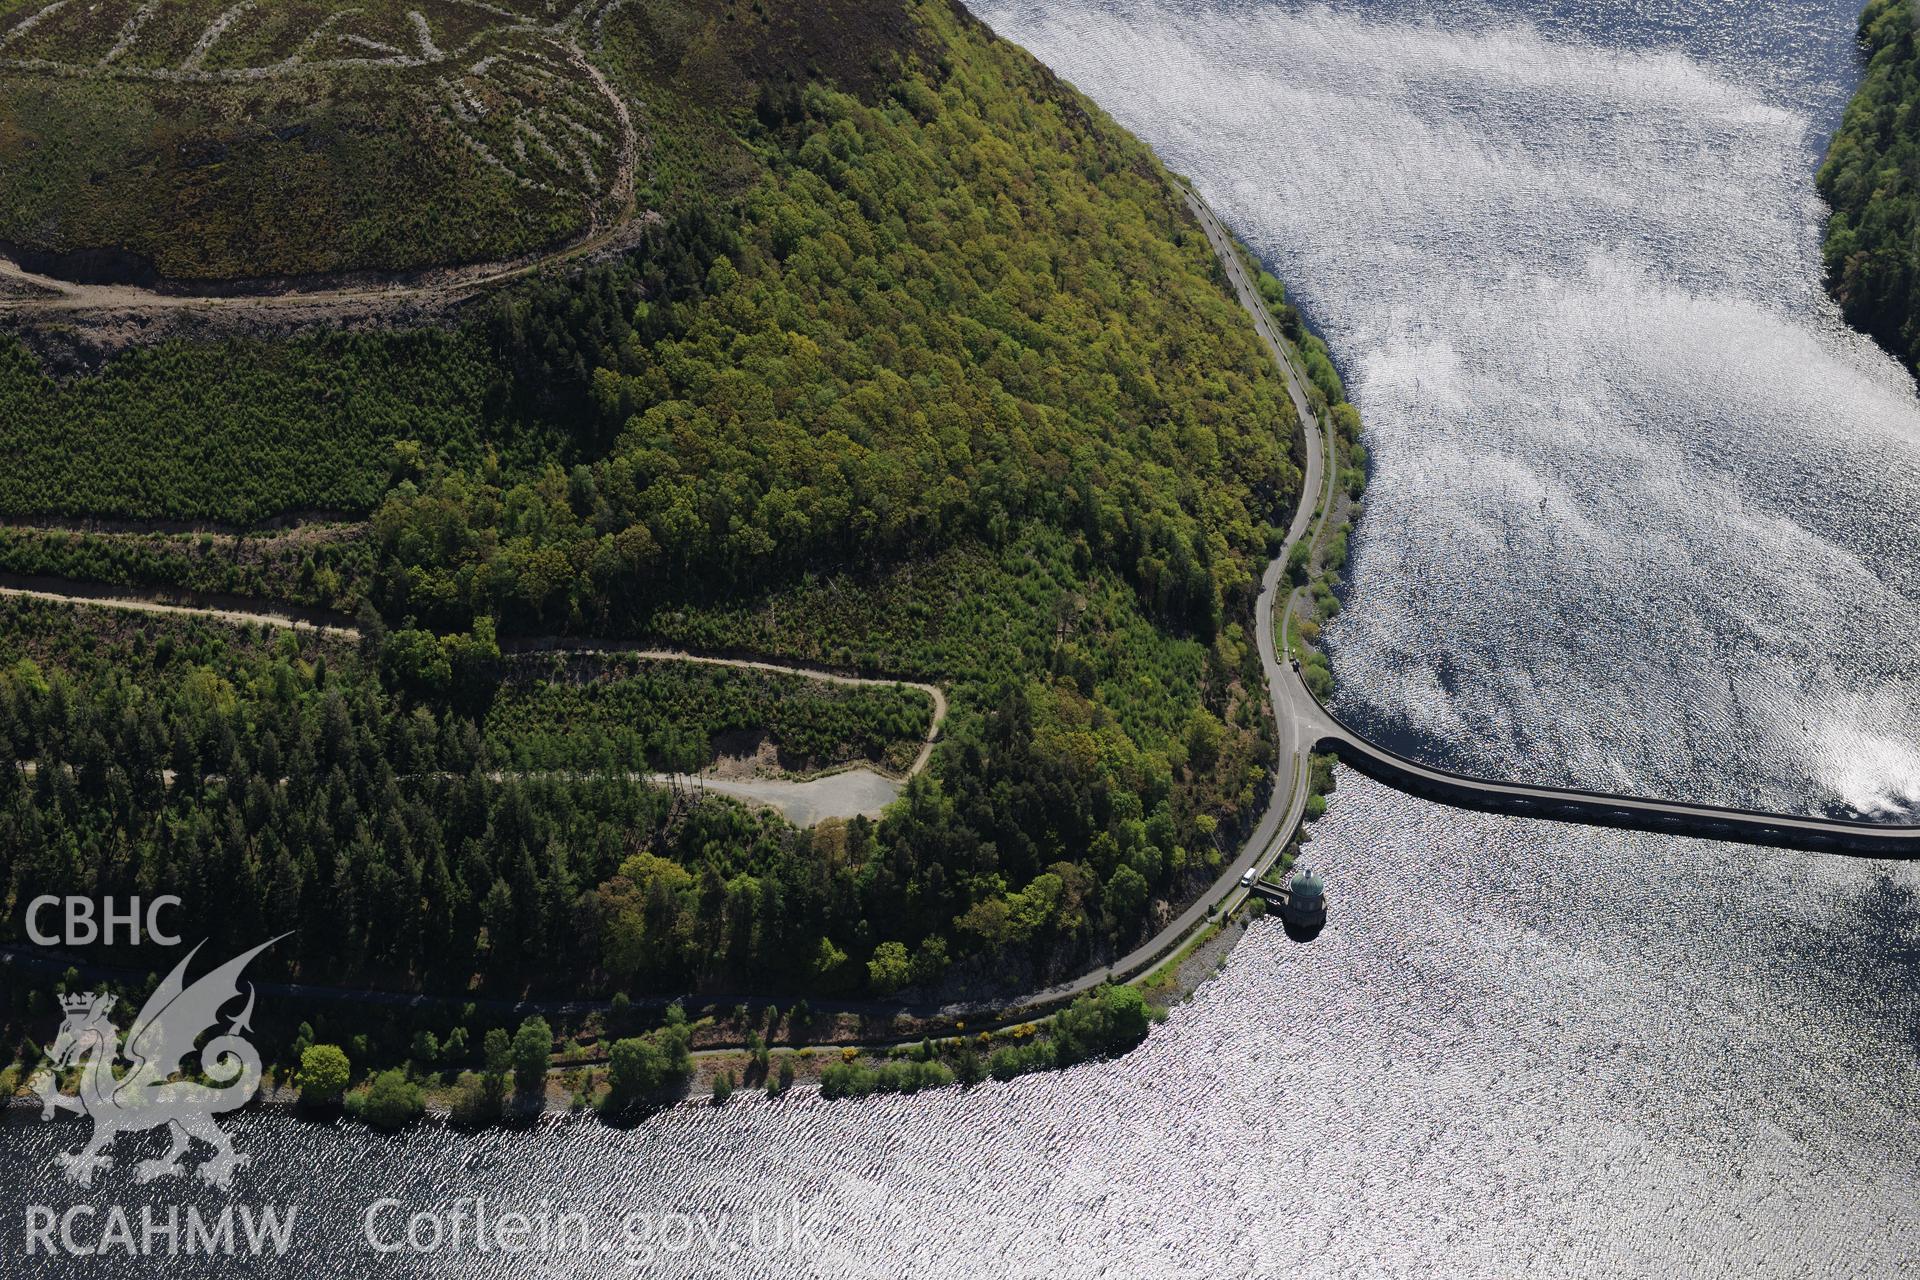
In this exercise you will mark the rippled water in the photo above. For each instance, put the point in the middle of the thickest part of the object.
(1644, 511)
(1643, 517)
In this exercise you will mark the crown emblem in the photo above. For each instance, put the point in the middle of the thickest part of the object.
(86, 1002)
(168, 1027)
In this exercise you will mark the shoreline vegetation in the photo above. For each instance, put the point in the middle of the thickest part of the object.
(923, 370)
(1039, 462)
(1317, 566)
(606, 1065)
(1871, 179)
(469, 1074)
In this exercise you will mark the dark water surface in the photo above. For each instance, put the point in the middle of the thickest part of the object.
(1643, 517)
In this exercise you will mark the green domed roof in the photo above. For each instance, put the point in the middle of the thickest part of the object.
(1308, 884)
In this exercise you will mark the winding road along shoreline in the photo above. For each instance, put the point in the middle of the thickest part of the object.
(1296, 739)
(1302, 724)
(1312, 726)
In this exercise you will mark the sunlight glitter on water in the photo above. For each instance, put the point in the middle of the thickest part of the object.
(1638, 498)
(1643, 515)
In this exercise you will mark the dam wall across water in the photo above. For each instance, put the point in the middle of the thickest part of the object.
(1602, 809)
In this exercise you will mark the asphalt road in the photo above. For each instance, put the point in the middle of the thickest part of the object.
(1305, 726)
(1296, 736)
(1302, 725)
(1299, 723)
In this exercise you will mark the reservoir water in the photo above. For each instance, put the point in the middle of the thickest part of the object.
(1644, 516)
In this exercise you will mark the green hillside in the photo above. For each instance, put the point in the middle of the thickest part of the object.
(198, 141)
(924, 370)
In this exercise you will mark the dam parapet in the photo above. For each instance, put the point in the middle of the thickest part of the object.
(1631, 813)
